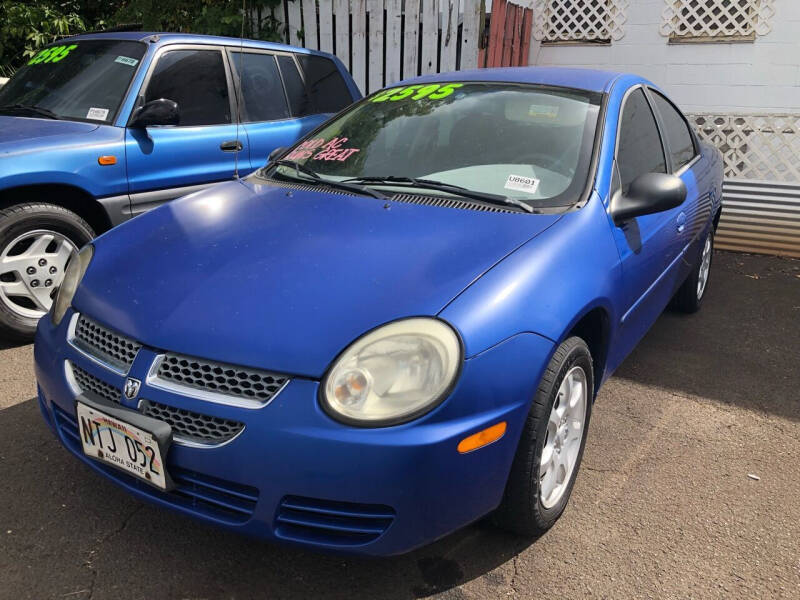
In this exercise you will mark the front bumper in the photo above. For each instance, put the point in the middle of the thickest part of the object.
(296, 475)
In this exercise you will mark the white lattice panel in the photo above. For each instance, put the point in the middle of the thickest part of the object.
(763, 147)
(699, 19)
(579, 20)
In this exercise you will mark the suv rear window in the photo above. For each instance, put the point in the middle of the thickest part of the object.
(329, 93)
(299, 102)
(262, 92)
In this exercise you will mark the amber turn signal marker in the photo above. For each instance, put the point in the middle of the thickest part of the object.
(482, 438)
(107, 160)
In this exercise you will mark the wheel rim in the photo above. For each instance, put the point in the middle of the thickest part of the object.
(705, 267)
(31, 268)
(563, 439)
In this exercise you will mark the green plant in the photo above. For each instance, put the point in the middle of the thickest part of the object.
(213, 17)
(27, 26)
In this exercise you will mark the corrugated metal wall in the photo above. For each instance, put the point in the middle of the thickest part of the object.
(761, 217)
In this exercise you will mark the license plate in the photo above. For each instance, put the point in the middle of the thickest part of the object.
(120, 444)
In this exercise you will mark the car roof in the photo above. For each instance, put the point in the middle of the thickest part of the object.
(583, 79)
(161, 39)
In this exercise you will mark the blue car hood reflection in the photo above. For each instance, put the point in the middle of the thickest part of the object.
(19, 135)
(284, 279)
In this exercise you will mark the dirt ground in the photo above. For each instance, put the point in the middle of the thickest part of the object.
(690, 487)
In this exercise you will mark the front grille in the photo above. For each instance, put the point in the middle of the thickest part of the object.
(220, 378)
(331, 523)
(193, 426)
(194, 492)
(87, 382)
(186, 425)
(104, 344)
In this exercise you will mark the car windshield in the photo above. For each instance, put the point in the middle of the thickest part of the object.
(529, 143)
(80, 80)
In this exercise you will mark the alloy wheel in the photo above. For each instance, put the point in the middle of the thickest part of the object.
(31, 268)
(563, 439)
(705, 267)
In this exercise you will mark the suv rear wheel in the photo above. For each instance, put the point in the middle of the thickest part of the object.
(37, 241)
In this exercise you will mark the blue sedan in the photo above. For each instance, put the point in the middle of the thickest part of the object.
(400, 324)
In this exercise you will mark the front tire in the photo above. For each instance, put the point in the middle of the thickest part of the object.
(552, 442)
(37, 241)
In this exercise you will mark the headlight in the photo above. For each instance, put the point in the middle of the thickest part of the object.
(72, 279)
(393, 374)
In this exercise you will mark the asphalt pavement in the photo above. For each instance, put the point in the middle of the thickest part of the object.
(690, 487)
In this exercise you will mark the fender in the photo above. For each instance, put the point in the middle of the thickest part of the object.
(75, 164)
(546, 286)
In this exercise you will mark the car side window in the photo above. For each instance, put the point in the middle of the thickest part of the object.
(196, 80)
(261, 88)
(676, 130)
(299, 102)
(640, 150)
(329, 93)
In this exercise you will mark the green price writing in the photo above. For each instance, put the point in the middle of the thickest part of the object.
(52, 54)
(433, 91)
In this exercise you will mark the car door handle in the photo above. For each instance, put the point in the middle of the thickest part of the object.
(681, 222)
(231, 146)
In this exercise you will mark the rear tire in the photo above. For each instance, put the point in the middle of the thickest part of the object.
(36, 242)
(689, 296)
(533, 503)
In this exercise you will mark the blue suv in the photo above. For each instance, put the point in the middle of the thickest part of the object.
(98, 128)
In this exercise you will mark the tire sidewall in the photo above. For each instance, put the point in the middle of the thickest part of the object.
(39, 218)
(578, 356)
(699, 266)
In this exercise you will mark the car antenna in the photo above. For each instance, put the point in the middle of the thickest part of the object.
(239, 95)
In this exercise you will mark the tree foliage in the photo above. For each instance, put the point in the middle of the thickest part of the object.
(27, 25)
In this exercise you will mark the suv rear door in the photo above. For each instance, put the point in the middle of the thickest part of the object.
(165, 162)
(284, 96)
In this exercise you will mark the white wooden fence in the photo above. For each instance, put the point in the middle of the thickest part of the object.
(383, 41)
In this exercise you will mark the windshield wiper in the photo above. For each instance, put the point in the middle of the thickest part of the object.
(441, 186)
(37, 110)
(313, 177)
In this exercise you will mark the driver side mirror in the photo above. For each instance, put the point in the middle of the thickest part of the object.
(156, 112)
(276, 153)
(649, 193)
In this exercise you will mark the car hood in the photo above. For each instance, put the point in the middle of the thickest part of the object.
(24, 134)
(267, 276)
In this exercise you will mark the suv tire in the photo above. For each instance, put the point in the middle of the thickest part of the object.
(36, 242)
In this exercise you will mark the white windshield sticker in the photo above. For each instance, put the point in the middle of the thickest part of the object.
(131, 62)
(522, 184)
(543, 111)
(98, 114)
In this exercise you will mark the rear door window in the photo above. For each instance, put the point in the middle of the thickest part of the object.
(299, 102)
(261, 88)
(676, 130)
(640, 150)
(196, 80)
(328, 90)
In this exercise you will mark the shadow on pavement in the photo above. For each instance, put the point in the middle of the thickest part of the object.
(8, 345)
(741, 348)
(107, 544)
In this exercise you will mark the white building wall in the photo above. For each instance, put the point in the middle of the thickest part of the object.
(762, 76)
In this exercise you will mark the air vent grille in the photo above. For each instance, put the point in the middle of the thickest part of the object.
(104, 344)
(220, 378)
